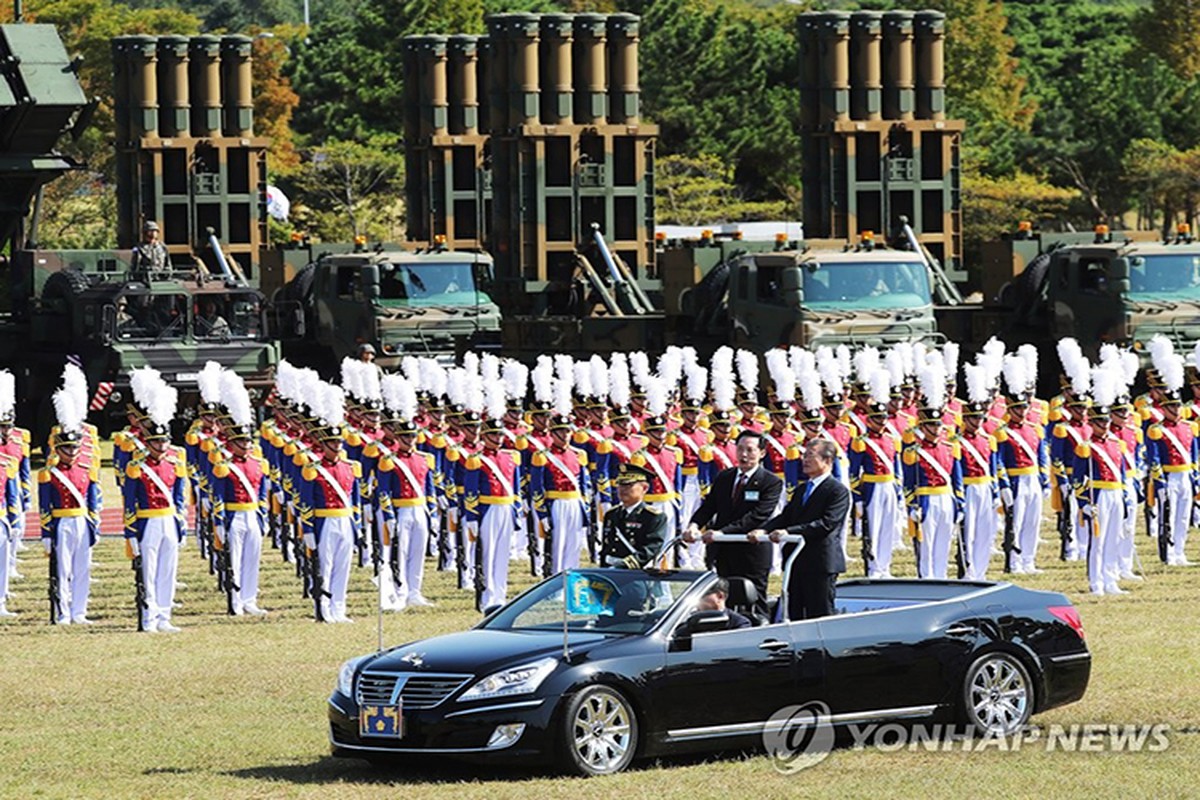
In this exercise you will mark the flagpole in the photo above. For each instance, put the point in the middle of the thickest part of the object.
(566, 652)
(379, 598)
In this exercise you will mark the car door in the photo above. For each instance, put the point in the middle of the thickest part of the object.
(723, 683)
(895, 658)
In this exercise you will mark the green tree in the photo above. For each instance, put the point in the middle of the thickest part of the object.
(1172, 27)
(696, 190)
(345, 189)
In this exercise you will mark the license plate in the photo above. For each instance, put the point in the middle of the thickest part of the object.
(381, 721)
(187, 377)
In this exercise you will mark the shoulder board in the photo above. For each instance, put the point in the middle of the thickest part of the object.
(956, 448)
(908, 437)
(1124, 447)
(991, 440)
(356, 469)
(793, 453)
(1060, 431)
(909, 456)
(858, 445)
(604, 447)
(1083, 450)
(706, 453)
(473, 462)
(43, 476)
(371, 450)
(353, 438)
(385, 464)
(309, 473)
(429, 460)
(452, 454)
(579, 437)
(133, 470)
(221, 470)
(522, 442)
(1137, 435)
(672, 439)
(1155, 432)
(438, 440)
(651, 510)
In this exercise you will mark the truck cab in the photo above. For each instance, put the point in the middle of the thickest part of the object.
(829, 296)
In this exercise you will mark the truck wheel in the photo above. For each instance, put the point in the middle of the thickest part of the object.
(299, 287)
(1029, 282)
(65, 285)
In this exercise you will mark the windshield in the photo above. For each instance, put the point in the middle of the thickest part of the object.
(154, 317)
(441, 283)
(602, 601)
(234, 315)
(1169, 276)
(866, 284)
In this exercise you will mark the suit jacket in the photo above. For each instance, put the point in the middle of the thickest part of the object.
(822, 523)
(760, 496)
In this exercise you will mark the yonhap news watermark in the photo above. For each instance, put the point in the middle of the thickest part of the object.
(801, 736)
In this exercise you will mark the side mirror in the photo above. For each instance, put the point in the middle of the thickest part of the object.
(108, 324)
(370, 281)
(793, 287)
(705, 622)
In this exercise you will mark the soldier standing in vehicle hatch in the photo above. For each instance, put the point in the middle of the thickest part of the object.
(150, 258)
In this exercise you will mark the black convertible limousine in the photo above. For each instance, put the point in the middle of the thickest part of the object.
(636, 671)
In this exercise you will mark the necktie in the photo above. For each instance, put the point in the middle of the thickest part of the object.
(738, 485)
(808, 490)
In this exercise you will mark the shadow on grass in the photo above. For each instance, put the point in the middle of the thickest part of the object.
(426, 770)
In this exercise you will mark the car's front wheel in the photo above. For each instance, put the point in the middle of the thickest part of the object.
(997, 694)
(600, 732)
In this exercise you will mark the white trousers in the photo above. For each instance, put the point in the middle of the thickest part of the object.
(15, 543)
(74, 567)
(980, 523)
(409, 537)
(569, 534)
(495, 541)
(883, 515)
(937, 535)
(1128, 532)
(245, 537)
(160, 560)
(336, 553)
(1027, 517)
(1179, 490)
(8, 554)
(1103, 534)
(693, 554)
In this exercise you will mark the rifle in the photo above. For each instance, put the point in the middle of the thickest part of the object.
(445, 542)
(480, 578)
(462, 541)
(868, 551)
(531, 538)
(593, 529)
(1010, 539)
(313, 559)
(225, 562)
(360, 539)
(1063, 524)
(394, 562)
(963, 556)
(548, 546)
(55, 598)
(139, 591)
(1164, 527)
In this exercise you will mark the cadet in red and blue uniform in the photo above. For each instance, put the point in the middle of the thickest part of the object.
(1098, 479)
(453, 482)
(198, 445)
(69, 505)
(614, 451)
(664, 462)
(979, 464)
(240, 492)
(559, 486)
(691, 439)
(8, 519)
(491, 509)
(719, 454)
(781, 453)
(407, 500)
(1122, 425)
(154, 493)
(933, 492)
(1067, 434)
(1172, 454)
(1024, 479)
(330, 516)
(14, 453)
(875, 481)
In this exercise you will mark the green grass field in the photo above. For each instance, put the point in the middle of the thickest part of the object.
(236, 707)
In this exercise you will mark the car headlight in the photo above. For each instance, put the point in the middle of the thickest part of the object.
(516, 680)
(345, 683)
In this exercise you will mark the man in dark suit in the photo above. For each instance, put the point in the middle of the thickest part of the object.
(741, 499)
(817, 512)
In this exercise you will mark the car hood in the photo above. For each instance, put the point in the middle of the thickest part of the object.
(479, 652)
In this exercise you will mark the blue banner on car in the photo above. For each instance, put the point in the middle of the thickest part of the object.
(590, 594)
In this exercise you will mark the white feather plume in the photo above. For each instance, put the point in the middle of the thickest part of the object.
(844, 359)
(68, 410)
(209, 382)
(405, 400)
(475, 399)
(747, 367)
(235, 397)
(810, 389)
(894, 363)
(1104, 382)
(656, 397)
(1081, 376)
(931, 377)
(74, 381)
(470, 362)
(543, 380)
(583, 379)
(333, 404)
(619, 389)
(905, 353)
(562, 397)
(782, 377)
(489, 369)
(8, 392)
(1130, 365)
(600, 377)
(866, 361)
(880, 384)
(564, 368)
(456, 386)
(831, 376)
(516, 379)
(1196, 355)
(977, 381)
(1172, 371)
(389, 387)
(721, 362)
(697, 382)
(950, 358)
(639, 368)
(349, 377)
(496, 407)
(1069, 355)
(143, 382)
(433, 377)
(994, 348)
(801, 361)
(162, 404)
(724, 390)
(410, 368)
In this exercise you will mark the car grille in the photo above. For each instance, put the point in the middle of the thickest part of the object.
(416, 690)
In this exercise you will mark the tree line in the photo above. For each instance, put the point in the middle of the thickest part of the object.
(1077, 113)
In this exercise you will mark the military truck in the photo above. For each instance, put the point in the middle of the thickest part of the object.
(96, 307)
(427, 302)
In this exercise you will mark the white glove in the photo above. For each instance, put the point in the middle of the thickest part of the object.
(219, 533)
(1006, 497)
(47, 544)
(134, 547)
(859, 509)
(915, 515)
(310, 541)
(1087, 511)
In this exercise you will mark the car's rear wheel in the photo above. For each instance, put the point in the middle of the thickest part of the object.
(600, 732)
(997, 694)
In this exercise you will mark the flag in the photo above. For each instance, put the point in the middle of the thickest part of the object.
(590, 594)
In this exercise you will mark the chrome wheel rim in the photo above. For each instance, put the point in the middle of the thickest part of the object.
(602, 731)
(999, 696)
